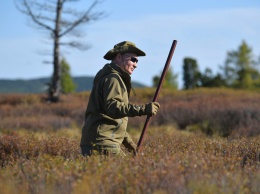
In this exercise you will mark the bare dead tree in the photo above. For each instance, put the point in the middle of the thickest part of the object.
(60, 20)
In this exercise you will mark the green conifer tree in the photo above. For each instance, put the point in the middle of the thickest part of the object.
(169, 80)
(240, 69)
(67, 84)
(191, 74)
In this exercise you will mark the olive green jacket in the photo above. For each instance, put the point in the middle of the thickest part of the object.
(108, 109)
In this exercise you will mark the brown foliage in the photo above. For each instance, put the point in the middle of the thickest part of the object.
(17, 113)
(14, 146)
(37, 158)
(213, 111)
(171, 161)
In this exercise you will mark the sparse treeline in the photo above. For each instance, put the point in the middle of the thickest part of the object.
(240, 70)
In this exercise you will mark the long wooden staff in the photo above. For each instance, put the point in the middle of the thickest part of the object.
(166, 67)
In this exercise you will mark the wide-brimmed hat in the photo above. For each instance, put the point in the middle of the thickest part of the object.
(123, 47)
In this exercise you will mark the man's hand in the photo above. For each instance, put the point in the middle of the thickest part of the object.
(132, 148)
(151, 108)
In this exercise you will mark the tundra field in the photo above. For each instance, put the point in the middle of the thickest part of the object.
(201, 141)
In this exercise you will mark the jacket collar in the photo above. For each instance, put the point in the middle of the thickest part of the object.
(125, 76)
(119, 70)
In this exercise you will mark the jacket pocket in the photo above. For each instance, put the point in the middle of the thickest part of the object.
(116, 128)
(109, 129)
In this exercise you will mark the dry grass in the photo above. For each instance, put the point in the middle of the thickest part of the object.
(214, 111)
(171, 161)
(36, 157)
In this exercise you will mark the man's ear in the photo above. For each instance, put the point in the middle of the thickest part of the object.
(116, 57)
(119, 55)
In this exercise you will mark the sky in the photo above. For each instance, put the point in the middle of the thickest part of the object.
(205, 30)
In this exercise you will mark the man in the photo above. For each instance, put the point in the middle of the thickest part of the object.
(108, 108)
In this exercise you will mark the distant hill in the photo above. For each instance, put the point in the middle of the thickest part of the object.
(83, 83)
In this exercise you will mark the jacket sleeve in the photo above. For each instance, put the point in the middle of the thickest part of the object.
(114, 103)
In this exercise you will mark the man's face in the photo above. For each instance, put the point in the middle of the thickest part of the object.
(129, 62)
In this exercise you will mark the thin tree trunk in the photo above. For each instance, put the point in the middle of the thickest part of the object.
(55, 87)
(39, 14)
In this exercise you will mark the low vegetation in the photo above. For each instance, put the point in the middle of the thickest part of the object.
(223, 112)
(201, 141)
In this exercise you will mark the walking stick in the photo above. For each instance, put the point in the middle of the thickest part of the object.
(166, 67)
